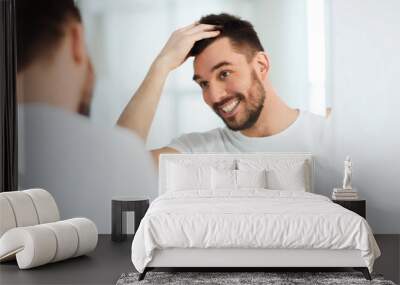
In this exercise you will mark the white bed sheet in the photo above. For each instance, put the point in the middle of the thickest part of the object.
(250, 218)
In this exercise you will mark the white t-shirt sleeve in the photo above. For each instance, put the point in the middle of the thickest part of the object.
(197, 142)
(180, 145)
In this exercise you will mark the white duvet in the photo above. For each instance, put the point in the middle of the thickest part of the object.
(250, 218)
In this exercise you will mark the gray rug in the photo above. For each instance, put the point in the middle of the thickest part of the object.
(269, 278)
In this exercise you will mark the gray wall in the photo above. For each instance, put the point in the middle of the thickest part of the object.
(365, 38)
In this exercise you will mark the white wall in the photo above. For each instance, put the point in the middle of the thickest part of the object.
(366, 102)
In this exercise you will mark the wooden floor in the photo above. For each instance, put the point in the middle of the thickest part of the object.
(111, 259)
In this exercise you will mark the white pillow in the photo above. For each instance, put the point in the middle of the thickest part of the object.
(186, 177)
(282, 174)
(223, 179)
(287, 179)
(251, 178)
(236, 179)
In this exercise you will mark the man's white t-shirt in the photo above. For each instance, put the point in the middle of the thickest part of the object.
(305, 134)
(83, 165)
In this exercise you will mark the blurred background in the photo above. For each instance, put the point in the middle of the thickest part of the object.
(124, 39)
(340, 55)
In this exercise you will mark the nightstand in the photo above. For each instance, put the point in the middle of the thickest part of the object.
(121, 205)
(357, 206)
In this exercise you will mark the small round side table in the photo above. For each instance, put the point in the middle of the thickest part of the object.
(119, 207)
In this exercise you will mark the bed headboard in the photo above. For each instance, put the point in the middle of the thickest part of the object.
(215, 158)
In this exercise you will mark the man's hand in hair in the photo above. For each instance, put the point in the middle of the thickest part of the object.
(180, 43)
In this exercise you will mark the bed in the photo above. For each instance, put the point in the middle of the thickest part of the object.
(247, 211)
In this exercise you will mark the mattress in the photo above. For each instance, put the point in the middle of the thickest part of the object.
(250, 219)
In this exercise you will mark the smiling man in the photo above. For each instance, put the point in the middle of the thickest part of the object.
(232, 70)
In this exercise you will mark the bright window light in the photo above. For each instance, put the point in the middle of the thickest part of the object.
(316, 55)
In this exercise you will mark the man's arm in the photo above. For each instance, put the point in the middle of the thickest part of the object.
(139, 113)
(155, 153)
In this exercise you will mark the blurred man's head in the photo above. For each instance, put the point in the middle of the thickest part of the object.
(52, 62)
(231, 69)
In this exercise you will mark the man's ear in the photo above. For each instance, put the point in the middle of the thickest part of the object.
(261, 63)
(78, 49)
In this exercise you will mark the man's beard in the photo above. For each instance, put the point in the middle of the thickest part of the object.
(254, 102)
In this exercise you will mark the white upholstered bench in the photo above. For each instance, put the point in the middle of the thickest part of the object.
(31, 231)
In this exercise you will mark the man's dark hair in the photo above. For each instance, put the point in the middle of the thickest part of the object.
(241, 34)
(40, 27)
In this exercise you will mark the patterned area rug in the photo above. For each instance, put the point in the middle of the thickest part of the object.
(269, 278)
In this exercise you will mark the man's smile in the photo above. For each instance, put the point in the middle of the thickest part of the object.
(228, 107)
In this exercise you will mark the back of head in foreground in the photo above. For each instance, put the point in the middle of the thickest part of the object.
(52, 61)
(81, 163)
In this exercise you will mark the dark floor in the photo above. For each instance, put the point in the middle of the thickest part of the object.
(110, 259)
(102, 266)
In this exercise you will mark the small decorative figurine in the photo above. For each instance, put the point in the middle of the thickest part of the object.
(347, 174)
